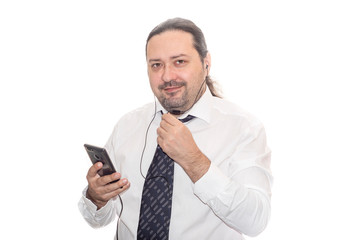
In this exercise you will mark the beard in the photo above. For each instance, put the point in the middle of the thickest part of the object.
(169, 102)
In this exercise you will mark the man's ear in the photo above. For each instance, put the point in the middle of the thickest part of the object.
(207, 62)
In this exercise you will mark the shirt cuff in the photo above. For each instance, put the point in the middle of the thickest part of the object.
(92, 208)
(211, 184)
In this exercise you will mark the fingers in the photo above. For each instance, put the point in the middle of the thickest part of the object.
(169, 124)
(165, 128)
(109, 191)
(108, 179)
(94, 169)
(170, 119)
(93, 175)
(165, 125)
(113, 189)
(168, 129)
(102, 189)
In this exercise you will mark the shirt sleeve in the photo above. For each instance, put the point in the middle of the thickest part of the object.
(105, 215)
(97, 218)
(240, 196)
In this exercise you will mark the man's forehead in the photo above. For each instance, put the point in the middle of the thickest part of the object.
(173, 44)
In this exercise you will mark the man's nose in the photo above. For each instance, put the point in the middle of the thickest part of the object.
(169, 74)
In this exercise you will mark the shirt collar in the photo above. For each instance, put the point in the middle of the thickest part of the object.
(201, 108)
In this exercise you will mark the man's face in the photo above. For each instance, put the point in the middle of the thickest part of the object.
(175, 70)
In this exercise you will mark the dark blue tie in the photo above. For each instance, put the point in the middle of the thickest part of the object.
(155, 211)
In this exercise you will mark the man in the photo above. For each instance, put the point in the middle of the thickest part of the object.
(220, 186)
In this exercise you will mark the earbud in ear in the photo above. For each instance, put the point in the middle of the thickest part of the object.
(207, 66)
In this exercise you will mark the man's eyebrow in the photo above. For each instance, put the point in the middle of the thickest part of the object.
(177, 56)
(172, 57)
(154, 60)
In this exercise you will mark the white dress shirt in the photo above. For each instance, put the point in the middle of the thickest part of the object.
(231, 199)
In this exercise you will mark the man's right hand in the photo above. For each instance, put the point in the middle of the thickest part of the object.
(99, 190)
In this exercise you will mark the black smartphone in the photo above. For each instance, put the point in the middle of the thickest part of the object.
(98, 154)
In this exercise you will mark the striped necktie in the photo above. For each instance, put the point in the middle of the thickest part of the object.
(156, 201)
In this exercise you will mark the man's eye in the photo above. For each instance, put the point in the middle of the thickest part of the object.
(155, 65)
(179, 62)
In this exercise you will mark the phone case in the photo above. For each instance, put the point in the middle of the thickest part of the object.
(98, 154)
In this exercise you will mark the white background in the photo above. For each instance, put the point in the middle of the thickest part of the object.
(70, 69)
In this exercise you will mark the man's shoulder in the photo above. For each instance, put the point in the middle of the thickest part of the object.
(141, 113)
(132, 123)
(227, 109)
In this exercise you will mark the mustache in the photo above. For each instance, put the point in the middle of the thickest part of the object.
(172, 83)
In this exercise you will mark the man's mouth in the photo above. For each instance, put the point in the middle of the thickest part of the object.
(172, 89)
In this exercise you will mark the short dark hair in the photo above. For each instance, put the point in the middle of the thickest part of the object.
(199, 42)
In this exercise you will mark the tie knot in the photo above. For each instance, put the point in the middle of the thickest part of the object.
(188, 118)
(184, 120)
